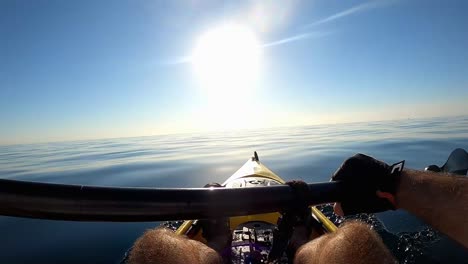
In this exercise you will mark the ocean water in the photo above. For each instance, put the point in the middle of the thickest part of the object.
(310, 153)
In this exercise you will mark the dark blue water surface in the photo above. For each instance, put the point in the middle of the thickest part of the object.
(310, 153)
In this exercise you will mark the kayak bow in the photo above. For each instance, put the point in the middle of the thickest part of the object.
(253, 234)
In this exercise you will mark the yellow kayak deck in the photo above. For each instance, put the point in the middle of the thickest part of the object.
(253, 174)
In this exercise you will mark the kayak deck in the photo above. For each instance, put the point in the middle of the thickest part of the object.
(253, 168)
(252, 235)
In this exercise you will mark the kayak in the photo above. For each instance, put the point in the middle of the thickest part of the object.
(253, 235)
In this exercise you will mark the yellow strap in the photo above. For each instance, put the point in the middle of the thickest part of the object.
(182, 230)
(329, 225)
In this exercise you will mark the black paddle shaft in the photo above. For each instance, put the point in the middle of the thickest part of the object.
(118, 204)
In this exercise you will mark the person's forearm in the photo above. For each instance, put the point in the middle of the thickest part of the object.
(441, 200)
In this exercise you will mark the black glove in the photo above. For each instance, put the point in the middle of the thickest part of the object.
(362, 177)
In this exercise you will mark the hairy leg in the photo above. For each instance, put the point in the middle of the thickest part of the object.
(354, 242)
(161, 245)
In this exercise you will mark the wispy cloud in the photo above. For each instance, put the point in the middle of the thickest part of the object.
(373, 4)
(353, 10)
(296, 38)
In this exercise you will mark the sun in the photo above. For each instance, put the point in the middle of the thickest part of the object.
(226, 60)
(226, 63)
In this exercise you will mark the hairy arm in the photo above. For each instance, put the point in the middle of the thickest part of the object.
(440, 200)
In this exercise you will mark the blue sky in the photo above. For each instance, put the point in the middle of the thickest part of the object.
(95, 69)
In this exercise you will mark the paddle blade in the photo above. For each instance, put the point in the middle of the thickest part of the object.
(457, 162)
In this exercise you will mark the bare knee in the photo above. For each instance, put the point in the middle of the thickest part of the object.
(161, 245)
(354, 242)
(310, 251)
(358, 242)
(156, 245)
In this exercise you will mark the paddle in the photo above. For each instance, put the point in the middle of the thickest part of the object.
(457, 163)
(91, 203)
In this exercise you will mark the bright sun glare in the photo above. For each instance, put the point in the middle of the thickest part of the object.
(226, 61)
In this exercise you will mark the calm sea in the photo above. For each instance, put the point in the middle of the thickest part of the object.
(310, 153)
